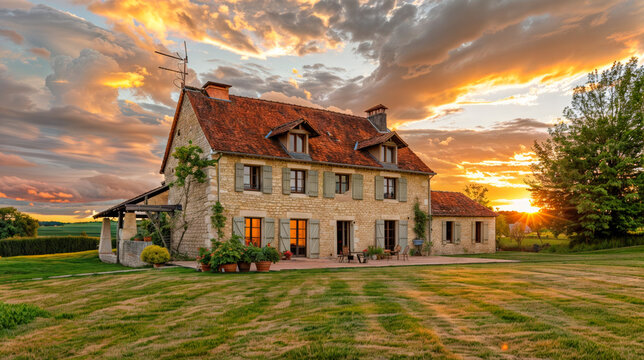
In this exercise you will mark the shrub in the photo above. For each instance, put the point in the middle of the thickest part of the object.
(247, 254)
(155, 254)
(46, 245)
(12, 315)
(204, 256)
(265, 254)
(228, 252)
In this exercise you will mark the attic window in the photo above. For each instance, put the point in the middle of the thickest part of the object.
(389, 154)
(297, 143)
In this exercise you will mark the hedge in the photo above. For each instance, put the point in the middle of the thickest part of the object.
(46, 245)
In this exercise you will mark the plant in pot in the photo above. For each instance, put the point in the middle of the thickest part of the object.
(204, 259)
(264, 257)
(226, 255)
(155, 255)
(286, 255)
(420, 224)
(246, 258)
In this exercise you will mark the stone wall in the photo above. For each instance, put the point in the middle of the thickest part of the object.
(130, 252)
(467, 244)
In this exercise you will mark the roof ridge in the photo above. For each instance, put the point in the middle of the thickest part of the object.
(302, 106)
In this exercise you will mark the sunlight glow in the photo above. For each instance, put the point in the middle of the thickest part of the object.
(521, 205)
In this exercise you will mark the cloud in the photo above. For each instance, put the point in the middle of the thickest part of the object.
(12, 35)
(14, 161)
(42, 52)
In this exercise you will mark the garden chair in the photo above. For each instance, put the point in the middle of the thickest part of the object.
(347, 253)
(396, 252)
(387, 254)
(405, 253)
(341, 256)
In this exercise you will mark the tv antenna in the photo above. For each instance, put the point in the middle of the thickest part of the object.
(181, 73)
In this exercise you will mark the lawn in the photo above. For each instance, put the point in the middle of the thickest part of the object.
(75, 229)
(573, 306)
(532, 239)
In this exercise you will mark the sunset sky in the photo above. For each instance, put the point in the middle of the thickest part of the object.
(470, 85)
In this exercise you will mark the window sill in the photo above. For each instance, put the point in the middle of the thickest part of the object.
(299, 195)
(252, 192)
(390, 200)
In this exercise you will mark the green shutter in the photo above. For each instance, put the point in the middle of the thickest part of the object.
(379, 186)
(312, 183)
(380, 233)
(457, 238)
(286, 181)
(328, 186)
(239, 225)
(485, 232)
(268, 231)
(284, 236)
(402, 234)
(444, 238)
(267, 179)
(356, 186)
(473, 236)
(351, 237)
(314, 239)
(402, 190)
(239, 176)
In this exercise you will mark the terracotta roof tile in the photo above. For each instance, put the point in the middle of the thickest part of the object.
(379, 139)
(447, 203)
(241, 124)
(281, 129)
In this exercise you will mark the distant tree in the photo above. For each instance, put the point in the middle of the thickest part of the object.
(517, 233)
(478, 193)
(83, 233)
(501, 227)
(590, 170)
(14, 223)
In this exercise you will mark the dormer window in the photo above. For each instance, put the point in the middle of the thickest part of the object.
(389, 154)
(297, 143)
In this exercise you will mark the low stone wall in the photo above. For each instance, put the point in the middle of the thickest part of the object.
(130, 252)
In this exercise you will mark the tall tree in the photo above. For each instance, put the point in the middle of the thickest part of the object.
(590, 170)
(14, 223)
(478, 193)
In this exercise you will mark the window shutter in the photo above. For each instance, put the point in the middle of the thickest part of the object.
(402, 234)
(285, 239)
(444, 238)
(379, 186)
(268, 231)
(286, 181)
(239, 176)
(267, 179)
(239, 225)
(356, 186)
(312, 183)
(457, 239)
(351, 237)
(402, 189)
(485, 232)
(328, 185)
(314, 239)
(473, 232)
(380, 233)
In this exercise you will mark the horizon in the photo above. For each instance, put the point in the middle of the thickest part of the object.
(470, 87)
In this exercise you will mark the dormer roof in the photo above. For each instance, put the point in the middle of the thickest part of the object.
(380, 139)
(286, 127)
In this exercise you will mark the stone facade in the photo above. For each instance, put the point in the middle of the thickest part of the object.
(130, 252)
(467, 243)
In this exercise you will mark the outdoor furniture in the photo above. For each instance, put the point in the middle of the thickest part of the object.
(396, 252)
(405, 253)
(362, 257)
(387, 254)
(345, 250)
(341, 256)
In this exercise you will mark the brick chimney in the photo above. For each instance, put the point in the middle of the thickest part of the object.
(378, 117)
(216, 90)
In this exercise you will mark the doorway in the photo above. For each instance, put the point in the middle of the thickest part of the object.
(298, 237)
(343, 236)
(390, 235)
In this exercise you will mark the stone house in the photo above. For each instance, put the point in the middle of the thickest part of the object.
(312, 181)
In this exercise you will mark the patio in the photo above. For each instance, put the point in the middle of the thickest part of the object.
(304, 263)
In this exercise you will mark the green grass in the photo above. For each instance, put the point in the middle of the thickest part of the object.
(550, 306)
(39, 266)
(12, 315)
(530, 240)
(75, 229)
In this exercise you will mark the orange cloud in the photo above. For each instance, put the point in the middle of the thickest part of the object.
(124, 80)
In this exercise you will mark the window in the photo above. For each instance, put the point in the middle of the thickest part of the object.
(449, 231)
(341, 183)
(252, 176)
(297, 181)
(478, 231)
(253, 231)
(297, 143)
(298, 237)
(389, 154)
(390, 188)
(390, 235)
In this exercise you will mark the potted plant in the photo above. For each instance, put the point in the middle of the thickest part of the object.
(204, 259)
(420, 224)
(287, 255)
(155, 255)
(147, 238)
(375, 252)
(136, 237)
(246, 258)
(226, 255)
(264, 257)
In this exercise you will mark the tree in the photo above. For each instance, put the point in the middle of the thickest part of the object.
(14, 223)
(478, 193)
(590, 170)
(501, 227)
(517, 233)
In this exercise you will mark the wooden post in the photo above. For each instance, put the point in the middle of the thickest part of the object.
(119, 228)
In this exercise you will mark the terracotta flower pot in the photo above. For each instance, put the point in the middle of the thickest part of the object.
(156, 266)
(229, 268)
(243, 266)
(205, 267)
(147, 238)
(263, 266)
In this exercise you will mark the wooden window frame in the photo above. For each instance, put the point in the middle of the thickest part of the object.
(388, 149)
(255, 172)
(253, 231)
(293, 144)
(389, 191)
(478, 232)
(390, 233)
(339, 182)
(450, 232)
(295, 178)
(300, 225)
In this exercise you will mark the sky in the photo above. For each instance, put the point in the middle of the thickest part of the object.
(470, 85)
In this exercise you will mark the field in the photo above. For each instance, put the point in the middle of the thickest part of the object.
(530, 240)
(75, 229)
(554, 306)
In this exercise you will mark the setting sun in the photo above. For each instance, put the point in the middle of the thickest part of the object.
(521, 205)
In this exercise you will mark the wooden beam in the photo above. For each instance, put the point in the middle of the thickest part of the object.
(155, 208)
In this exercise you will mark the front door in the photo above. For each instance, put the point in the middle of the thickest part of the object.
(343, 236)
(298, 237)
(390, 235)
